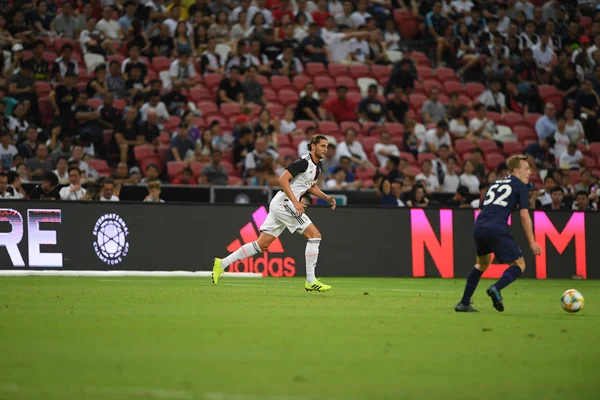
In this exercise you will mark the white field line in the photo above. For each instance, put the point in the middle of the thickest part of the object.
(154, 274)
(366, 289)
(150, 393)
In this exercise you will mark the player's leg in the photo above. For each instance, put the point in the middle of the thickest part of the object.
(506, 249)
(482, 263)
(313, 236)
(269, 231)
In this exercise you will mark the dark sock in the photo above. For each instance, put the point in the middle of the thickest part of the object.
(472, 281)
(508, 277)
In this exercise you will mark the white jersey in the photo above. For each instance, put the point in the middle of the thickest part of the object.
(305, 173)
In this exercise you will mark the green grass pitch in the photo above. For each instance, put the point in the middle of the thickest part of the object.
(183, 338)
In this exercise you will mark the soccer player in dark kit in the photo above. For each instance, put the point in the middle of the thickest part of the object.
(492, 235)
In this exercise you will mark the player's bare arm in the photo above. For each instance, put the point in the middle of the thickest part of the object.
(284, 182)
(315, 191)
(528, 228)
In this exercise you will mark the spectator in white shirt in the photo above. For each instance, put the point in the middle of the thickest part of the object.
(352, 149)
(109, 191)
(391, 36)
(561, 138)
(543, 53)
(434, 138)
(154, 104)
(182, 70)
(481, 126)
(359, 17)
(483, 186)
(3, 186)
(468, 179)
(572, 158)
(108, 26)
(62, 170)
(74, 191)
(493, 98)
(7, 150)
(338, 181)
(451, 179)
(385, 148)
(427, 178)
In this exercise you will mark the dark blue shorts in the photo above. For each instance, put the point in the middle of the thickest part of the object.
(497, 241)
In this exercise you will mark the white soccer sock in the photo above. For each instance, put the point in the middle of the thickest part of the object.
(247, 250)
(311, 254)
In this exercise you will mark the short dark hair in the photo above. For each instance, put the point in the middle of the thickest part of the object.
(152, 166)
(548, 177)
(74, 169)
(556, 189)
(108, 181)
(581, 193)
(51, 177)
(4, 175)
(235, 68)
(66, 46)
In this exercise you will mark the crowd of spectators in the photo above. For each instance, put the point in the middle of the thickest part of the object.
(416, 97)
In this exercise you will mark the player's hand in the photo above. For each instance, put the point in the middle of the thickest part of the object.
(331, 200)
(536, 249)
(299, 208)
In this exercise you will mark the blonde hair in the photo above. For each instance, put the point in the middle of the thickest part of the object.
(154, 185)
(514, 162)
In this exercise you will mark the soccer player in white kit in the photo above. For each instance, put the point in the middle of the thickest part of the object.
(286, 211)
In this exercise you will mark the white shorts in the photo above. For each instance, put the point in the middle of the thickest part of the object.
(281, 216)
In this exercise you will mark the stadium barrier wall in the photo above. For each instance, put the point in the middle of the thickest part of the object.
(377, 242)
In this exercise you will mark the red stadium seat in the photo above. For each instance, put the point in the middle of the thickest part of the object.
(368, 143)
(409, 157)
(532, 119)
(276, 110)
(425, 156)
(430, 84)
(60, 42)
(197, 167)
(328, 127)
(324, 82)
(227, 109)
(101, 166)
(161, 64)
(174, 168)
(360, 71)
(300, 82)
(492, 160)
(94, 103)
(409, 27)
(488, 146)
(164, 138)
(270, 95)
(453, 86)
(425, 73)
(286, 151)
(525, 133)
(337, 70)
(172, 123)
(313, 69)
(474, 89)
(212, 80)
(394, 129)
(50, 57)
(118, 58)
(380, 71)
(208, 108)
(347, 81)
(288, 97)
(557, 100)
(463, 99)
(546, 91)
(463, 146)
(200, 93)
(494, 116)
(281, 82)
(575, 177)
(401, 14)
(303, 124)
(143, 164)
(42, 88)
(512, 148)
(350, 125)
(416, 101)
(595, 148)
(513, 119)
(46, 110)
(590, 162)
(444, 74)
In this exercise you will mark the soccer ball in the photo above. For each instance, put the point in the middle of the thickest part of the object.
(571, 301)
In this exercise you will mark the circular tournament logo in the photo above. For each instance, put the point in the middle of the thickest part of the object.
(111, 239)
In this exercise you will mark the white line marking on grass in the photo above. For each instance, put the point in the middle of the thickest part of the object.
(152, 393)
(382, 289)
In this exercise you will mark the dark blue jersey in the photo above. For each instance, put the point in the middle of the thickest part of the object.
(501, 198)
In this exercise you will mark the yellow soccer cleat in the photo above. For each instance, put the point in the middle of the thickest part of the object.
(317, 286)
(217, 270)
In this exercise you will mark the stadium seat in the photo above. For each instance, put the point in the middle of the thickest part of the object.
(425, 73)
(46, 110)
(525, 133)
(360, 71)
(444, 74)
(394, 129)
(492, 160)
(546, 91)
(227, 109)
(338, 70)
(60, 42)
(408, 27)
(474, 89)
(208, 108)
(575, 177)
(50, 57)
(590, 162)
(425, 156)
(108, 135)
(595, 147)
(300, 81)
(355, 97)
(513, 119)
(200, 93)
(172, 123)
(174, 168)
(409, 157)
(494, 116)
(305, 123)
(454, 86)
(532, 119)
(324, 82)
(328, 127)
(118, 58)
(281, 82)
(347, 81)
(143, 151)
(143, 164)
(463, 99)
(160, 63)
(212, 80)
(288, 97)
(101, 166)
(401, 14)
(164, 138)
(276, 110)
(42, 88)
(270, 95)
(444, 99)
(350, 125)
(463, 146)
(380, 71)
(286, 151)
(488, 146)
(368, 143)
(557, 100)
(512, 148)
(314, 68)
(197, 167)
(94, 103)
(430, 84)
